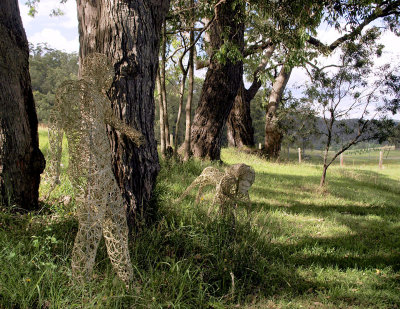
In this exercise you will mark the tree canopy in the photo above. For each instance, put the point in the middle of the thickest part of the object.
(48, 69)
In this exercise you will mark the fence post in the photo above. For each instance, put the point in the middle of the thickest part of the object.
(381, 159)
(259, 146)
(341, 159)
(299, 150)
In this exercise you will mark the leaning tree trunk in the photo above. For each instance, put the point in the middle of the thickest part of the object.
(273, 134)
(128, 33)
(221, 84)
(240, 131)
(21, 161)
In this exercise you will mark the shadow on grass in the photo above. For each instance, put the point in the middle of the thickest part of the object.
(358, 188)
(264, 268)
(190, 260)
(368, 211)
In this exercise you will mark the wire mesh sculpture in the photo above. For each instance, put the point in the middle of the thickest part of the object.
(82, 110)
(231, 187)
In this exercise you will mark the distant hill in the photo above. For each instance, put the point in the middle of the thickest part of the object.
(344, 131)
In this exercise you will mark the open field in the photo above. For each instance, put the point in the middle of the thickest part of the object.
(296, 247)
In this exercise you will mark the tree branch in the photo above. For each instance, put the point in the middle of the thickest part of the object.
(256, 48)
(256, 84)
(377, 13)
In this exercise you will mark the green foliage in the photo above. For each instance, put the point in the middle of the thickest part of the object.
(355, 11)
(48, 69)
(257, 110)
(33, 4)
(392, 92)
(394, 138)
(298, 122)
(228, 52)
(65, 190)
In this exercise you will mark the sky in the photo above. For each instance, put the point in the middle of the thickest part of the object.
(61, 32)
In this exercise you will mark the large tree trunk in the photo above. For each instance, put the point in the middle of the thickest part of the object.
(240, 131)
(128, 33)
(21, 161)
(273, 134)
(221, 84)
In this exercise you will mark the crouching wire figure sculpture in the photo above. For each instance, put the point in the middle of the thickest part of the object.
(82, 110)
(231, 187)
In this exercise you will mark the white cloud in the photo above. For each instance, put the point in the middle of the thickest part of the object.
(55, 39)
(67, 22)
(60, 32)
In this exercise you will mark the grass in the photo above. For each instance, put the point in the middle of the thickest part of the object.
(299, 246)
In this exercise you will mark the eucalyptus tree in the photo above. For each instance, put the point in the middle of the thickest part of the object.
(394, 139)
(21, 161)
(301, 45)
(128, 32)
(350, 18)
(240, 131)
(216, 102)
(222, 79)
(283, 27)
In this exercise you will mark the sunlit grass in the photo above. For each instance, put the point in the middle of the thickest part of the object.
(296, 247)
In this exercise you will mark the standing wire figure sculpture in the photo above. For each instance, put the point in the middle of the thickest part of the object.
(83, 111)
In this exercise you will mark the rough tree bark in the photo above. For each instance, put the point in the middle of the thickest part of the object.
(21, 161)
(128, 32)
(273, 134)
(240, 130)
(221, 83)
